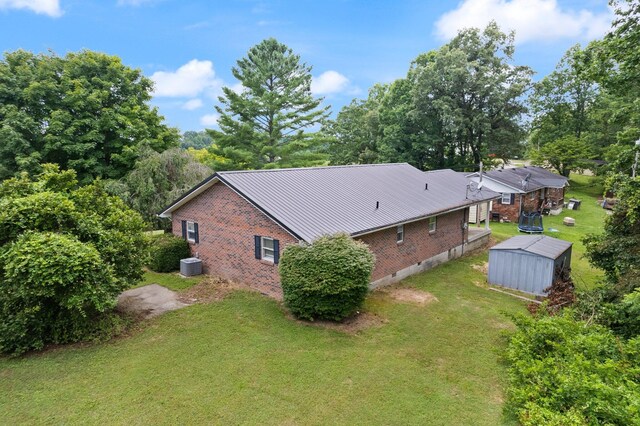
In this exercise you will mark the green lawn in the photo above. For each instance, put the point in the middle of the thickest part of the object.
(172, 281)
(589, 219)
(242, 361)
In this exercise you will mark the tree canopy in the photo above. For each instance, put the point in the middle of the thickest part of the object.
(158, 179)
(85, 111)
(458, 105)
(269, 122)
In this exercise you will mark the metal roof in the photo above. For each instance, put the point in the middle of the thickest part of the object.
(310, 202)
(541, 245)
(528, 178)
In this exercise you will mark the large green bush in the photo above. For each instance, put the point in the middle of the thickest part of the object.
(327, 279)
(65, 255)
(166, 251)
(568, 372)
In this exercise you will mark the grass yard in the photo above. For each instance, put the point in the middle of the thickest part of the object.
(242, 361)
(173, 281)
(589, 219)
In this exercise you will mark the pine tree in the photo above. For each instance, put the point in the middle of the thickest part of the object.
(268, 124)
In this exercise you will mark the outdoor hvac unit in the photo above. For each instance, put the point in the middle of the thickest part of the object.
(190, 266)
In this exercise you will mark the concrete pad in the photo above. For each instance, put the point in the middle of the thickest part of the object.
(149, 301)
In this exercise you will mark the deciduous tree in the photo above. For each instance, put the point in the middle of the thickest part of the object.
(86, 111)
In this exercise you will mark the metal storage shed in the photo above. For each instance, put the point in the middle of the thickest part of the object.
(528, 263)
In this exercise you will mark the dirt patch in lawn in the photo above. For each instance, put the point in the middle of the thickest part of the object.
(410, 295)
(211, 289)
(482, 267)
(352, 325)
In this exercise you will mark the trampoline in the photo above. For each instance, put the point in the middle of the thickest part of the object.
(530, 223)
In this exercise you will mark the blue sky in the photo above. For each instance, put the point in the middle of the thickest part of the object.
(189, 47)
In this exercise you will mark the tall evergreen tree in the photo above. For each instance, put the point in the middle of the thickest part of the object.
(268, 123)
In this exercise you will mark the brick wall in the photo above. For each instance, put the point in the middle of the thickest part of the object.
(227, 225)
(418, 243)
(512, 211)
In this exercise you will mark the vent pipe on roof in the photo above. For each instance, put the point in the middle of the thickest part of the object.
(377, 204)
(426, 186)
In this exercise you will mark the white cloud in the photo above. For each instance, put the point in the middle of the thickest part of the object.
(209, 119)
(44, 7)
(192, 104)
(531, 19)
(191, 79)
(329, 82)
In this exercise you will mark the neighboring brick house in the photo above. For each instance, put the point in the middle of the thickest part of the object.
(524, 189)
(239, 222)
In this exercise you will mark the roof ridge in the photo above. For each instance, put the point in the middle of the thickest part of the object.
(288, 169)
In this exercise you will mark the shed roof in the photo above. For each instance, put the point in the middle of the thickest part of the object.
(541, 245)
(310, 202)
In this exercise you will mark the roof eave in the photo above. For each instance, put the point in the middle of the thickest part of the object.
(189, 195)
(422, 217)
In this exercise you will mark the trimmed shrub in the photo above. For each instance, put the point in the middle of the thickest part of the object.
(65, 255)
(328, 279)
(53, 288)
(166, 251)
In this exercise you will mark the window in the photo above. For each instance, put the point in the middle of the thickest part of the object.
(506, 198)
(432, 224)
(532, 195)
(400, 233)
(191, 231)
(268, 249)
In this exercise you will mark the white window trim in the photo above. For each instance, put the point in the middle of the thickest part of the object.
(533, 195)
(433, 220)
(508, 195)
(263, 250)
(400, 233)
(191, 229)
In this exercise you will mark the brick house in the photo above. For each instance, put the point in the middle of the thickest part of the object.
(239, 222)
(524, 189)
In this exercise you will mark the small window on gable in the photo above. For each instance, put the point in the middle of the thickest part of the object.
(400, 233)
(268, 249)
(506, 198)
(191, 231)
(432, 224)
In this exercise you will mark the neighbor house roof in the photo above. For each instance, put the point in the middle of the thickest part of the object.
(541, 245)
(526, 179)
(358, 199)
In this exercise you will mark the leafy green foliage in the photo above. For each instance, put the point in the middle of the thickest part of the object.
(65, 255)
(566, 155)
(166, 250)
(327, 279)
(264, 125)
(617, 249)
(85, 111)
(566, 372)
(196, 140)
(158, 179)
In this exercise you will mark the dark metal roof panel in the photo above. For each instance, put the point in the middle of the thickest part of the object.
(541, 245)
(537, 178)
(324, 200)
